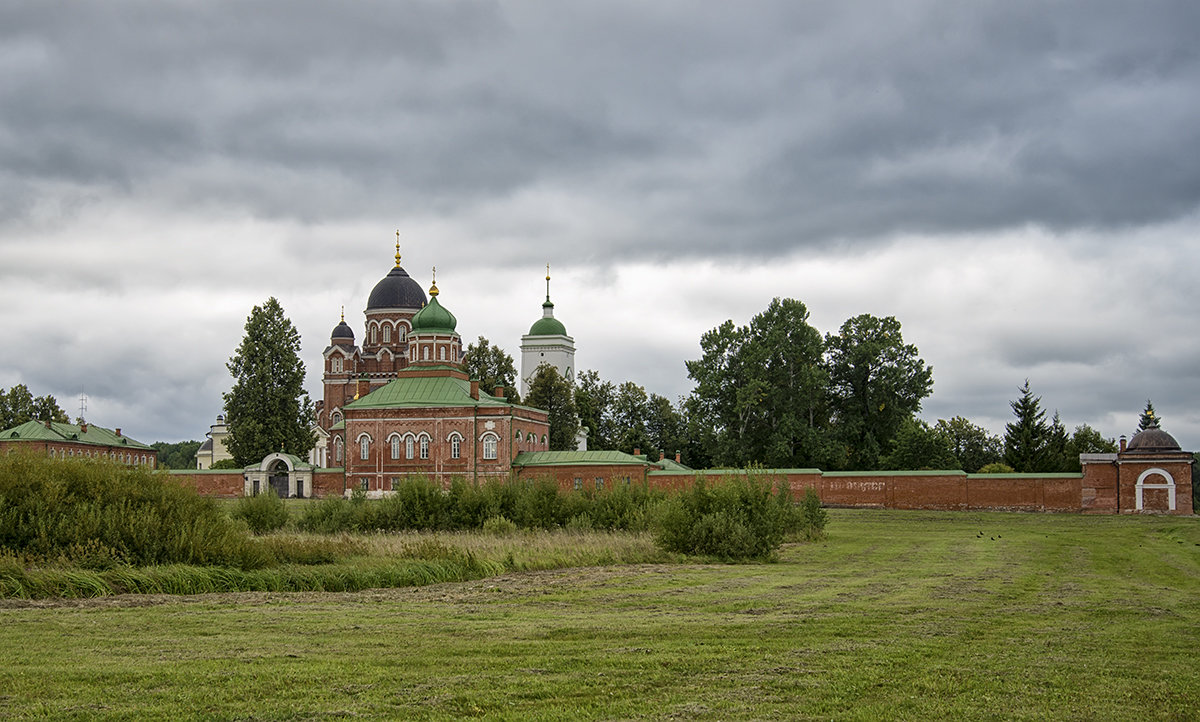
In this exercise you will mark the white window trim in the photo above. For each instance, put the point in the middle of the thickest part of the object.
(489, 438)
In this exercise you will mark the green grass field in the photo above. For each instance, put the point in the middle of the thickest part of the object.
(896, 615)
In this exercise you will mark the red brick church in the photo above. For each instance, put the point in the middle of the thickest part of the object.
(401, 404)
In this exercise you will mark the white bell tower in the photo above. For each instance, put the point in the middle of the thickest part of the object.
(547, 342)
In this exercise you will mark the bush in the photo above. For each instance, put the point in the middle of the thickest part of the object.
(995, 467)
(101, 514)
(500, 526)
(262, 513)
(733, 521)
(330, 516)
(812, 518)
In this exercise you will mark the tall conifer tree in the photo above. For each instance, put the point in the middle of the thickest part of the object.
(267, 409)
(1026, 439)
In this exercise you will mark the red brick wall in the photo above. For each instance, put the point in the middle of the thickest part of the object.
(1130, 467)
(913, 490)
(224, 484)
(610, 475)
(1098, 488)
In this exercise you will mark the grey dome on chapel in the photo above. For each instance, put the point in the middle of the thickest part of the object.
(342, 331)
(1152, 440)
(396, 290)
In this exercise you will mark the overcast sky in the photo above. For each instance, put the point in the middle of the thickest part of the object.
(1016, 182)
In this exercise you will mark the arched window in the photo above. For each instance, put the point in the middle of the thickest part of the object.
(364, 446)
(402, 332)
(387, 333)
(426, 353)
(455, 446)
(543, 439)
(337, 417)
(337, 450)
(395, 446)
(442, 353)
(532, 438)
(408, 447)
(337, 364)
(489, 445)
(373, 330)
(424, 446)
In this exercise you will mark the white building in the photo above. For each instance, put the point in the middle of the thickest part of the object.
(546, 343)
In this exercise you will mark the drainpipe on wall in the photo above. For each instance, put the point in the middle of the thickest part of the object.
(475, 447)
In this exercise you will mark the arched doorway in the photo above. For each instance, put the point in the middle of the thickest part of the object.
(278, 479)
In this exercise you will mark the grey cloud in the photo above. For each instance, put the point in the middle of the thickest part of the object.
(849, 122)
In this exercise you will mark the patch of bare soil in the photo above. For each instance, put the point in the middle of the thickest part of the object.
(514, 583)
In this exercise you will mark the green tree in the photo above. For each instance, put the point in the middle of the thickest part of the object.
(1027, 438)
(1148, 419)
(550, 391)
(180, 455)
(267, 409)
(665, 426)
(1058, 451)
(630, 412)
(493, 367)
(972, 446)
(593, 403)
(920, 446)
(877, 383)
(18, 405)
(761, 389)
(1086, 440)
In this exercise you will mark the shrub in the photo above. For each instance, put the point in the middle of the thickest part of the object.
(262, 513)
(103, 514)
(995, 467)
(812, 517)
(732, 521)
(330, 516)
(500, 526)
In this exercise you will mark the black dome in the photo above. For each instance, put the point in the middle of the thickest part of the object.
(396, 290)
(342, 330)
(1153, 440)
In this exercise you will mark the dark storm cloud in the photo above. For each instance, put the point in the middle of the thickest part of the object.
(776, 125)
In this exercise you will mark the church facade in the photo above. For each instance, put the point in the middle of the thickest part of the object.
(401, 404)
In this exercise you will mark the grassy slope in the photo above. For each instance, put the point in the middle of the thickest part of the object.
(898, 614)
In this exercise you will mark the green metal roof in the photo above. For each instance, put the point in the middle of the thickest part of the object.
(672, 465)
(59, 432)
(575, 458)
(548, 325)
(421, 391)
(736, 472)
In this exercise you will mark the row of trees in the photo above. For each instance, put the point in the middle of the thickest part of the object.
(776, 392)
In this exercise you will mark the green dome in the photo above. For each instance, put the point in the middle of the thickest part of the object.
(433, 318)
(548, 325)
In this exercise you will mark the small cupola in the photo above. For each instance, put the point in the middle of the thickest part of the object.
(342, 334)
(547, 325)
(433, 339)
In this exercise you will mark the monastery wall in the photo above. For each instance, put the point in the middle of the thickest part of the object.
(1100, 489)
